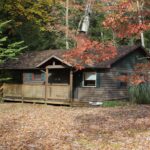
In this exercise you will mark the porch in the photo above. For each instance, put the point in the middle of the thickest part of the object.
(51, 82)
(56, 94)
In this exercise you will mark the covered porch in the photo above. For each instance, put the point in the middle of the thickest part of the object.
(55, 88)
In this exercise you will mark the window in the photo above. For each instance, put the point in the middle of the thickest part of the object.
(37, 76)
(89, 79)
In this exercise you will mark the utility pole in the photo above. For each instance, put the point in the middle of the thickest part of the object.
(140, 21)
(67, 24)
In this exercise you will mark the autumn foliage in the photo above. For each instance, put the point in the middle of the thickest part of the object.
(126, 18)
(139, 75)
(88, 52)
(129, 18)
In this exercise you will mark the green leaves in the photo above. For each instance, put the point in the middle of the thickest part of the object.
(36, 11)
(9, 50)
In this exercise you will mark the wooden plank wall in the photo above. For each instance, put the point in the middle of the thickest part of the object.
(36, 91)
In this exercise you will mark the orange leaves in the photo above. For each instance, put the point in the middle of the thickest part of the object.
(123, 78)
(133, 29)
(125, 19)
(140, 74)
(88, 52)
(142, 67)
(133, 79)
(136, 79)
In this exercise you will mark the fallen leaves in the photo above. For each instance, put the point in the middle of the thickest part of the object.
(41, 127)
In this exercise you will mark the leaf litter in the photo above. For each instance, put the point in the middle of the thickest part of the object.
(45, 127)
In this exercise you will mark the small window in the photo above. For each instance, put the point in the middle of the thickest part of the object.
(37, 76)
(89, 79)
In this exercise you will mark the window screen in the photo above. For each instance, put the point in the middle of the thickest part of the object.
(59, 76)
(89, 79)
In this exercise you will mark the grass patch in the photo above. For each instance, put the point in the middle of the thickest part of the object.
(114, 103)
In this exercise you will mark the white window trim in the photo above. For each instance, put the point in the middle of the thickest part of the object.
(83, 85)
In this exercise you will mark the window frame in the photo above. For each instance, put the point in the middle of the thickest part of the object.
(83, 79)
(36, 79)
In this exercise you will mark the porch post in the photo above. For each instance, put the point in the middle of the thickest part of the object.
(46, 84)
(71, 87)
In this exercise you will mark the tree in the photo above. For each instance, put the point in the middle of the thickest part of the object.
(31, 21)
(36, 11)
(128, 19)
(89, 52)
(8, 50)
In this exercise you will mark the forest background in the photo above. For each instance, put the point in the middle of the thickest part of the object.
(42, 24)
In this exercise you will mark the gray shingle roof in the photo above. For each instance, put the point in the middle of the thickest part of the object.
(30, 60)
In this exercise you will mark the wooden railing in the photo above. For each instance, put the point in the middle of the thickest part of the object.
(57, 91)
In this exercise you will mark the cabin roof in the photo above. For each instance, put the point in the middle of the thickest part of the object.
(32, 60)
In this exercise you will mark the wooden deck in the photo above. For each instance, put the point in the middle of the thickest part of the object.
(48, 102)
(40, 101)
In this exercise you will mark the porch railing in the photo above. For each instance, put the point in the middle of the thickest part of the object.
(57, 91)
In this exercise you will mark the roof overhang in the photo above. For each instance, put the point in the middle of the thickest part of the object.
(55, 57)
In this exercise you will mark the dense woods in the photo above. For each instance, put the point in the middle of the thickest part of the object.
(41, 24)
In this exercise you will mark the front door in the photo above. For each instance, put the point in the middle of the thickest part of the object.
(58, 84)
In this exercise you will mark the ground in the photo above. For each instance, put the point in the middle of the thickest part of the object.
(45, 127)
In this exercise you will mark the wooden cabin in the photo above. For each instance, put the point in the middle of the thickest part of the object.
(44, 77)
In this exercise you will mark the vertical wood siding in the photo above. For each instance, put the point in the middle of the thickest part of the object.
(36, 91)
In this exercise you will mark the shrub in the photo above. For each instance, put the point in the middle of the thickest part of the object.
(140, 94)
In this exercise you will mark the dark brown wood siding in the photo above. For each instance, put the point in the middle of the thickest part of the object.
(109, 87)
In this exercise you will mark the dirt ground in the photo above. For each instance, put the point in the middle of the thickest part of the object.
(45, 127)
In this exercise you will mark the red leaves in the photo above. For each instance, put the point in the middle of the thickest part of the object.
(125, 19)
(123, 78)
(136, 79)
(133, 29)
(140, 74)
(89, 52)
(133, 79)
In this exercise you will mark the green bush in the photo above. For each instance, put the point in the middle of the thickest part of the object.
(140, 94)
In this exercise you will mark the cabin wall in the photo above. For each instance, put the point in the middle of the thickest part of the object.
(108, 87)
